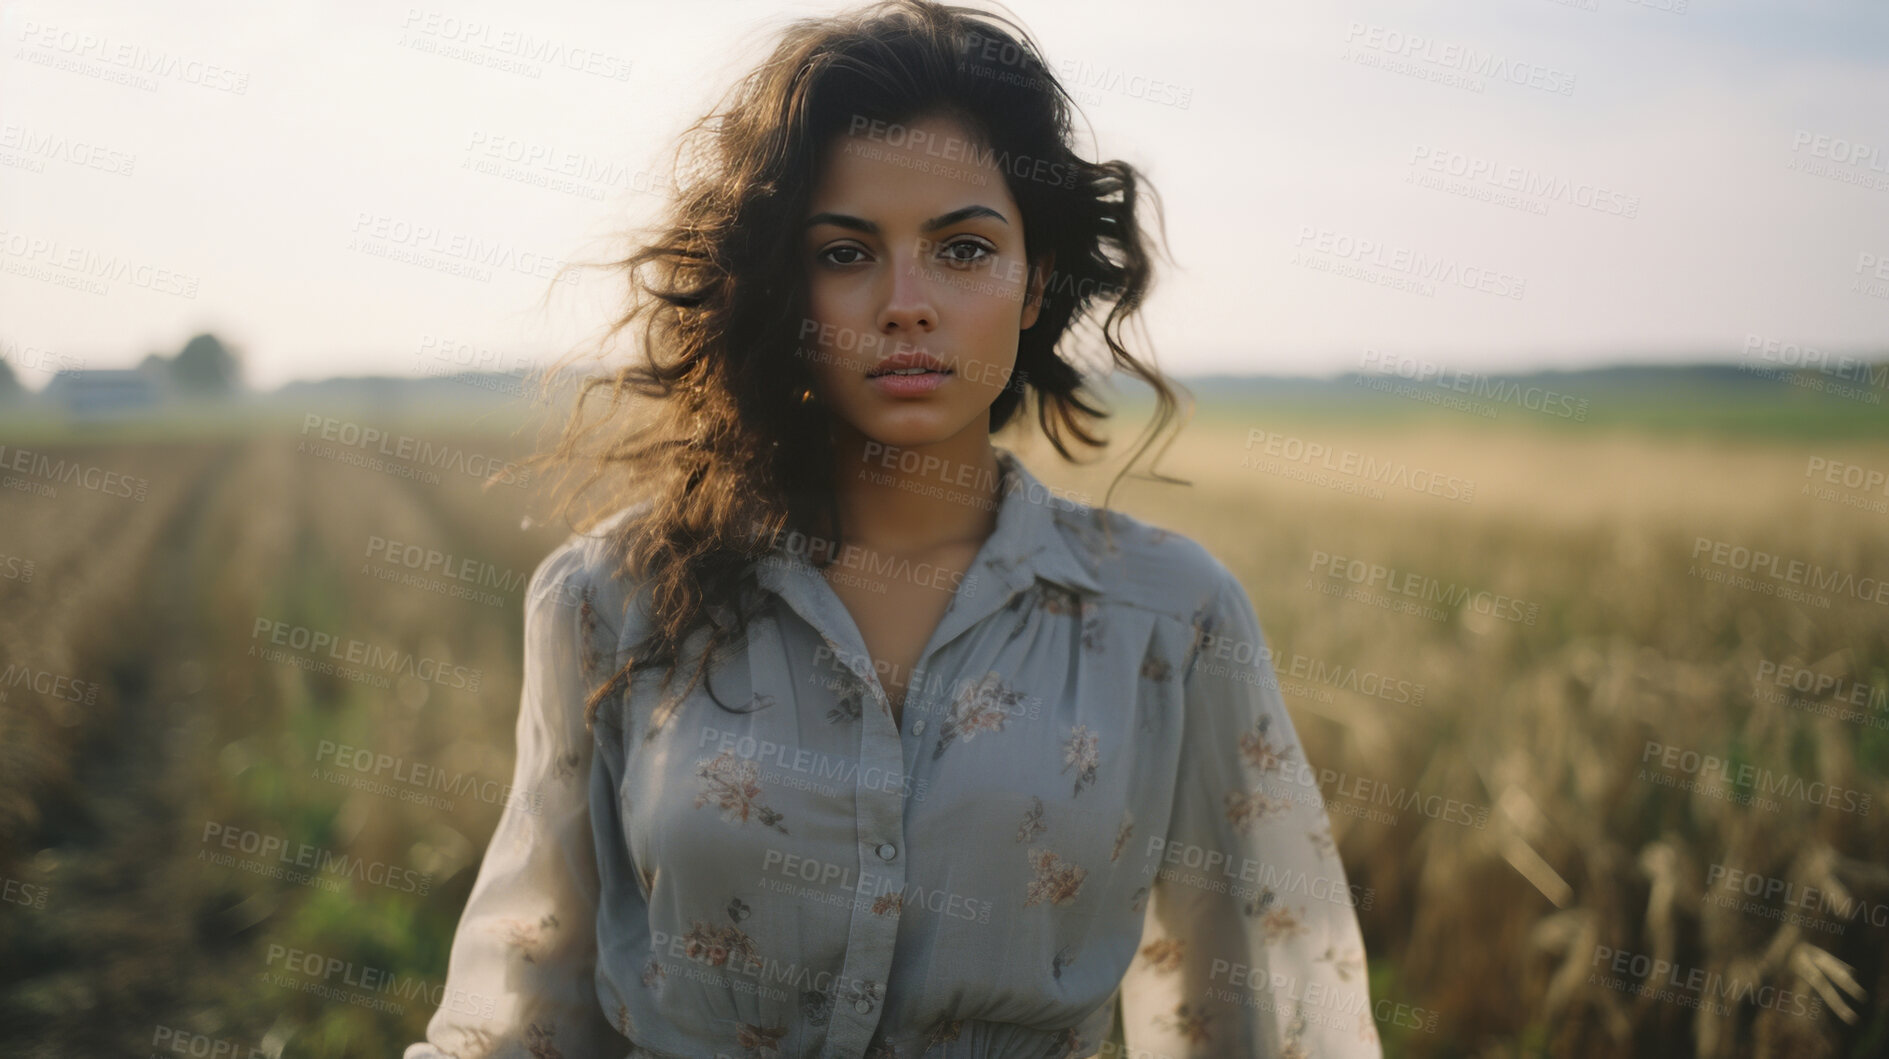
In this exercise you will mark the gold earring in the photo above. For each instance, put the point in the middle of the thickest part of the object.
(806, 395)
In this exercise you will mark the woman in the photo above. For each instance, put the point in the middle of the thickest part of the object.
(961, 768)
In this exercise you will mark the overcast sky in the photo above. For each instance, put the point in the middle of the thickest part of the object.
(1493, 185)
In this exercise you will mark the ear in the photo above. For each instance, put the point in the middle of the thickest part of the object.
(1033, 299)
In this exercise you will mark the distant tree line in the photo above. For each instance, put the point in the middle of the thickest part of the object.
(205, 367)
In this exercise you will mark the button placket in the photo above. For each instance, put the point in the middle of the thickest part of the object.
(871, 936)
(1002, 569)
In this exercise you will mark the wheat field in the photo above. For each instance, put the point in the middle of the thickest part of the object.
(1576, 639)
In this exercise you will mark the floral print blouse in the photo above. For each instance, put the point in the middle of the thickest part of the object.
(1092, 832)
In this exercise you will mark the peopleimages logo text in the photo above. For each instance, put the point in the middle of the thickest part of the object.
(1753, 778)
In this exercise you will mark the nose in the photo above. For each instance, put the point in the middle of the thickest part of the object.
(907, 310)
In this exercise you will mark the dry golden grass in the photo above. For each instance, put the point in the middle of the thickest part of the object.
(1503, 931)
(1495, 930)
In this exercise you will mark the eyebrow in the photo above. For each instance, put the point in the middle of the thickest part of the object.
(847, 221)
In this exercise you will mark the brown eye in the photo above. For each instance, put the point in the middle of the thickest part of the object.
(952, 255)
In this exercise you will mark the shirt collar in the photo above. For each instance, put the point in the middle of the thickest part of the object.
(1028, 533)
(1026, 544)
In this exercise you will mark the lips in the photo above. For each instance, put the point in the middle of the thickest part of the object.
(899, 361)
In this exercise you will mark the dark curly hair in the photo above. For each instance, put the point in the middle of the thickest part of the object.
(719, 455)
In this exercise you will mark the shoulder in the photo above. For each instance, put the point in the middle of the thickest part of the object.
(583, 572)
(1141, 564)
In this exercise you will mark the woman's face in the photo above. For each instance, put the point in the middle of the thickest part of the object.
(913, 249)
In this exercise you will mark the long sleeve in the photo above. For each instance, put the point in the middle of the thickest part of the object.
(1251, 944)
(520, 978)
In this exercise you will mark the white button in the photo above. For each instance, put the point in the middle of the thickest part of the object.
(918, 728)
(862, 1005)
(887, 851)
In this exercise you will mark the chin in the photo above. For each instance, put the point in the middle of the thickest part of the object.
(912, 428)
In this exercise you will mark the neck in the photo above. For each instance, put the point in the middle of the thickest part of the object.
(913, 500)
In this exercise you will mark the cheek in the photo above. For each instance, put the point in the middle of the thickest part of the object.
(834, 339)
(993, 297)
(823, 319)
(991, 323)
(837, 303)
